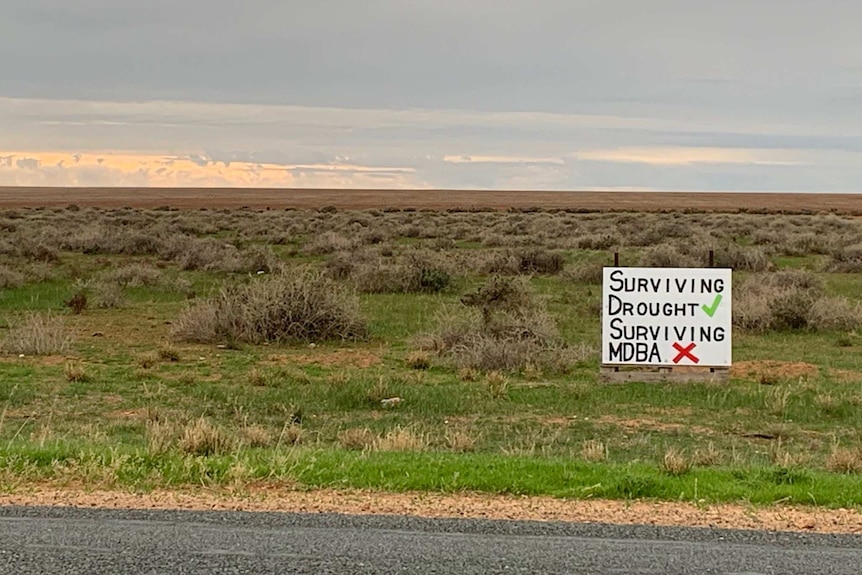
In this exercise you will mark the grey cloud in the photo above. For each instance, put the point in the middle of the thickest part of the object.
(555, 55)
(403, 84)
(28, 163)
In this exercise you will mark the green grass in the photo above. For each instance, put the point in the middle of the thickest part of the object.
(443, 472)
(769, 433)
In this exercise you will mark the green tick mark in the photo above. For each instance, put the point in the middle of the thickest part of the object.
(711, 309)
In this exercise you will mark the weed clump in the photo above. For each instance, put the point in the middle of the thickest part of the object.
(304, 306)
(10, 278)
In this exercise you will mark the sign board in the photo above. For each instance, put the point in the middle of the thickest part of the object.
(666, 317)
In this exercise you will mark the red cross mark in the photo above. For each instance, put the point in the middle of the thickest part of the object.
(685, 352)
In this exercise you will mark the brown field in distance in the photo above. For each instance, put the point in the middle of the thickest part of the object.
(192, 198)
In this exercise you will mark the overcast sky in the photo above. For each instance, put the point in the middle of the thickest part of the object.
(545, 94)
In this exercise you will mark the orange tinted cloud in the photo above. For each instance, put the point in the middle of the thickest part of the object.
(162, 170)
(679, 156)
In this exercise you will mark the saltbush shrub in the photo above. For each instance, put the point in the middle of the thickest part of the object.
(302, 305)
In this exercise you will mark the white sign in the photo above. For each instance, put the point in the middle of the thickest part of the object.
(666, 316)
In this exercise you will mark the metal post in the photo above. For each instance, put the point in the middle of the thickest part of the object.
(711, 258)
(616, 259)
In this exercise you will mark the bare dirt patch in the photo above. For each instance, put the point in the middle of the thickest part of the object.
(846, 375)
(338, 358)
(772, 369)
(278, 498)
(637, 424)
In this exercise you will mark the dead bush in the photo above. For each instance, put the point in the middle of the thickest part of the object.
(752, 259)
(107, 295)
(136, 275)
(591, 273)
(501, 326)
(413, 272)
(327, 243)
(599, 241)
(834, 313)
(535, 260)
(10, 278)
(846, 259)
(667, 256)
(302, 306)
(37, 334)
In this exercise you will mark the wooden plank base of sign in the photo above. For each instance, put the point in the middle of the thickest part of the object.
(617, 374)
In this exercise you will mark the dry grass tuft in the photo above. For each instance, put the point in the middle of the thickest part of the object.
(75, 372)
(418, 359)
(291, 434)
(532, 372)
(460, 440)
(37, 334)
(161, 436)
(167, 352)
(497, 385)
(843, 460)
(255, 436)
(257, 378)
(400, 439)
(148, 359)
(675, 462)
(203, 438)
(356, 438)
(708, 456)
(777, 400)
(594, 450)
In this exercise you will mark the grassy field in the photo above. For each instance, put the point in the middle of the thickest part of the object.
(429, 350)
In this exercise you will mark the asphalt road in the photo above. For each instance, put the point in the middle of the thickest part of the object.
(69, 541)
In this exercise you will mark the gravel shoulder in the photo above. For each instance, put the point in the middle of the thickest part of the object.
(462, 505)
